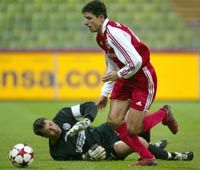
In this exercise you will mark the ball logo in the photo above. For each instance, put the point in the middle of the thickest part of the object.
(21, 155)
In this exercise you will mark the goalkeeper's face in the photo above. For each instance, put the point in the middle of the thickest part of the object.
(51, 130)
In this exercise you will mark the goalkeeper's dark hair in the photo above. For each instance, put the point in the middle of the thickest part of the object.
(96, 7)
(38, 124)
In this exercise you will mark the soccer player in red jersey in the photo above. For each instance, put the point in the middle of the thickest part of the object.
(130, 78)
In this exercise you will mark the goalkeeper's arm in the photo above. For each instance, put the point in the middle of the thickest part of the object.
(79, 126)
(86, 110)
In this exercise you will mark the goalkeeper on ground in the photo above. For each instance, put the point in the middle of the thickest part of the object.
(72, 138)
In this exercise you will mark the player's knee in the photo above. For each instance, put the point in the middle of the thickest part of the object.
(131, 130)
(134, 130)
(113, 121)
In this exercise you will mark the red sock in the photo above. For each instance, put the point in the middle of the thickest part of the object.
(153, 119)
(133, 142)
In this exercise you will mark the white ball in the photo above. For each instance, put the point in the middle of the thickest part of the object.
(21, 155)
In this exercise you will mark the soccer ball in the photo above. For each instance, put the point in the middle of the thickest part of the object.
(21, 155)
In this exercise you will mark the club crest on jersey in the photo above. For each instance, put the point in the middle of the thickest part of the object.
(66, 126)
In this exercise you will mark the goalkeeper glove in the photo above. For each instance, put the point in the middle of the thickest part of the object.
(95, 153)
(79, 126)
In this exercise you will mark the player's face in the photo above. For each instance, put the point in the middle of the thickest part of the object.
(51, 130)
(93, 23)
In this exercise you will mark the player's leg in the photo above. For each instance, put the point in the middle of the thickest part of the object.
(143, 93)
(122, 150)
(123, 91)
(181, 156)
(119, 103)
(160, 144)
(134, 122)
(165, 155)
(146, 135)
(165, 115)
(118, 110)
(155, 148)
(142, 98)
(137, 119)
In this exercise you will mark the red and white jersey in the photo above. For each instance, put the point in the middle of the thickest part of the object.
(124, 52)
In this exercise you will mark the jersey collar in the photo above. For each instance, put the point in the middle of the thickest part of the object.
(104, 25)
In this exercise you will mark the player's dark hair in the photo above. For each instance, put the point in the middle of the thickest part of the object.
(38, 124)
(96, 7)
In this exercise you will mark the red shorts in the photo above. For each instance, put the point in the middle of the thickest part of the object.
(140, 88)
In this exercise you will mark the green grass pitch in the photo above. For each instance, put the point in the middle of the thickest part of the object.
(16, 127)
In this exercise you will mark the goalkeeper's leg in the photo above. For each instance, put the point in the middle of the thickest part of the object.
(163, 154)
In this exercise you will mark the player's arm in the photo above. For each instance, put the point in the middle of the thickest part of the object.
(120, 41)
(108, 85)
(87, 111)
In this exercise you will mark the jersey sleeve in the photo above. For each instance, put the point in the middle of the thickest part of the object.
(85, 110)
(65, 116)
(120, 41)
(108, 86)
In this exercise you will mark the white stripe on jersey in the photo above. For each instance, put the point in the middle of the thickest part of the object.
(120, 41)
(80, 141)
(150, 88)
(122, 50)
(76, 111)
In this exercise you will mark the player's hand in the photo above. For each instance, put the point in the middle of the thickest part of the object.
(110, 76)
(79, 126)
(102, 102)
(95, 153)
